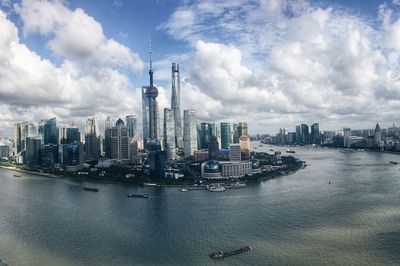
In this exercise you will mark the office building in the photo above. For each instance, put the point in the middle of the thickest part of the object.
(225, 135)
(298, 135)
(213, 148)
(176, 105)
(236, 134)
(189, 132)
(215, 170)
(234, 152)
(32, 151)
(48, 131)
(315, 134)
(107, 138)
(120, 142)
(92, 139)
(49, 155)
(72, 157)
(131, 124)
(169, 133)
(305, 134)
(204, 135)
(22, 131)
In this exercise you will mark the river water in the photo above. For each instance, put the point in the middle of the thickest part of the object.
(299, 219)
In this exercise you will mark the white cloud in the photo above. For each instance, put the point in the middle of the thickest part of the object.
(74, 35)
(289, 62)
(32, 88)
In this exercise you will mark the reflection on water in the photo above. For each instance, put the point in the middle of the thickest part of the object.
(301, 219)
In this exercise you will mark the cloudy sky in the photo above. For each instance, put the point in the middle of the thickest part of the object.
(273, 63)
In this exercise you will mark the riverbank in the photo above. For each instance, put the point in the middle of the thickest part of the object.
(29, 172)
(264, 176)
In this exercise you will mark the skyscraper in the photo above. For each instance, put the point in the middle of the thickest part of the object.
(169, 133)
(176, 104)
(22, 131)
(225, 135)
(107, 137)
(298, 134)
(315, 135)
(92, 139)
(70, 134)
(48, 131)
(236, 134)
(305, 134)
(189, 132)
(243, 129)
(204, 135)
(244, 141)
(120, 142)
(32, 154)
(378, 136)
(131, 123)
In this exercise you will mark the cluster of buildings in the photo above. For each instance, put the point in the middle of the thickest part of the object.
(48, 146)
(379, 139)
(303, 135)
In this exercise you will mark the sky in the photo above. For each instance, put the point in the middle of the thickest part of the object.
(272, 63)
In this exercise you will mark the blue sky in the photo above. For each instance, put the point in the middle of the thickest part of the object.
(273, 63)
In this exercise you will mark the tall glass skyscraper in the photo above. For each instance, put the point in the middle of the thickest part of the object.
(226, 139)
(169, 133)
(131, 123)
(120, 142)
(189, 132)
(48, 131)
(176, 104)
(92, 139)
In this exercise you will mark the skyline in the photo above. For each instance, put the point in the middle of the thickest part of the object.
(270, 63)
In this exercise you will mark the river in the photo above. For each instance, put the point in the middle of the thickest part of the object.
(300, 219)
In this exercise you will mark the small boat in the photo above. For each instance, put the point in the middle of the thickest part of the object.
(216, 188)
(150, 184)
(239, 185)
(93, 189)
(17, 176)
(393, 162)
(290, 151)
(223, 254)
(183, 190)
(143, 196)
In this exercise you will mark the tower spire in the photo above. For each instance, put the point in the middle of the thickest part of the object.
(151, 66)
